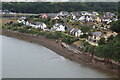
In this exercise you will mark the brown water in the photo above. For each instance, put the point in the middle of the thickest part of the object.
(22, 59)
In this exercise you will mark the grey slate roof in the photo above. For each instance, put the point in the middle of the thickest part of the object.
(38, 23)
(96, 33)
(57, 25)
(52, 15)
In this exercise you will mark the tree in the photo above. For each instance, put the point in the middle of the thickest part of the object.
(110, 50)
(110, 38)
(102, 41)
(50, 7)
(84, 36)
(85, 29)
(115, 26)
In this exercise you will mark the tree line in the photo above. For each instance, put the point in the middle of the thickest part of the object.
(48, 7)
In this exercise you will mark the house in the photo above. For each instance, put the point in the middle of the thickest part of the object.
(74, 31)
(27, 23)
(96, 36)
(6, 12)
(109, 14)
(63, 14)
(44, 16)
(98, 19)
(53, 16)
(22, 20)
(94, 13)
(40, 25)
(56, 17)
(114, 19)
(106, 20)
(85, 13)
(108, 34)
(95, 18)
(82, 18)
(74, 15)
(58, 27)
(85, 18)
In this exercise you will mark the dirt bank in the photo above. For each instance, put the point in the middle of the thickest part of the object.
(56, 47)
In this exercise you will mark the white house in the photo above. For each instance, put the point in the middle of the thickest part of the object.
(86, 17)
(40, 25)
(63, 13)
(74, 15)
(96, 36)
(74, 31)
(28, 23)
(85, 13)
(82, 18)
(106, 20)
(58, 27)
(94, 13)
(22, 20)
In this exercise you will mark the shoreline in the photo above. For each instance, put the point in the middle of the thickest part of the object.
(57, 48)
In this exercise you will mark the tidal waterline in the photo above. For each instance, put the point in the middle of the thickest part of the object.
(23, 59)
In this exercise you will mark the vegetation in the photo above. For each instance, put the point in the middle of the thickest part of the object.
(111, 50)
(116, 26)
(102, 41)
(48, 7)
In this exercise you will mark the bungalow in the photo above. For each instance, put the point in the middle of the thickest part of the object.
(58, 27)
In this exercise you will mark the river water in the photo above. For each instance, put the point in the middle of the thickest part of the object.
(23, 59)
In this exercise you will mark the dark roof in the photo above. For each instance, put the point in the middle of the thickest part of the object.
(96, 33)
(57, 24)
(109, 14)
(53, 29)
(52, 15)
(64, 12)
(94, 17)
(69, 28)
(37, 23)
(75, 30)
(94, 13)
(83, 12)
(107, 17)
(75, 13)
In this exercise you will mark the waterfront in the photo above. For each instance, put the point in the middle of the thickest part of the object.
(22, 59)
